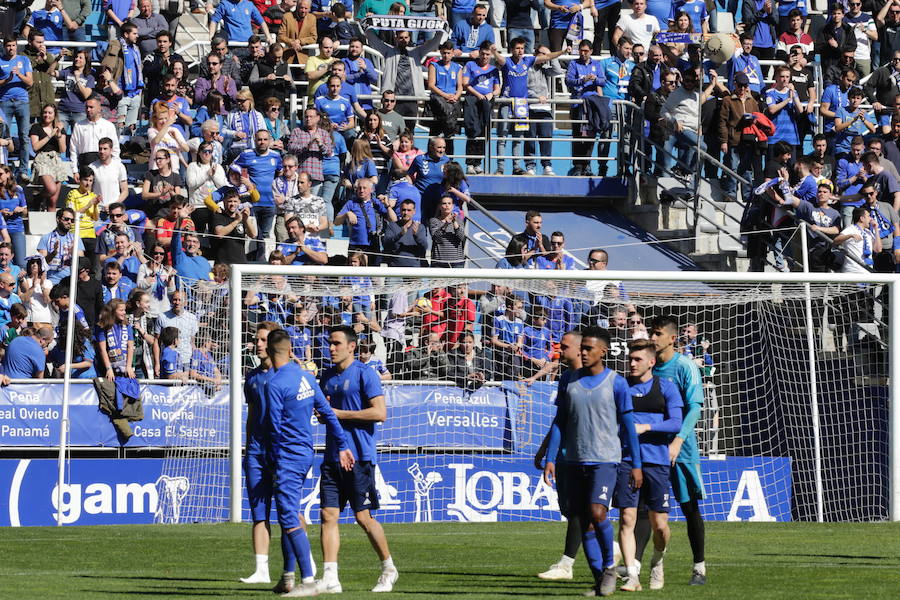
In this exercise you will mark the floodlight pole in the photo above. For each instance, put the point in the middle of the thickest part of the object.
(236, 399)
(813, 380)
(67, 375)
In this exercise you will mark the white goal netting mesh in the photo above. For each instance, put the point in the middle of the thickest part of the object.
(468, 406)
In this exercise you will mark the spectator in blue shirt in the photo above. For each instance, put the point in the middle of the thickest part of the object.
(584, 77)
(15, 78)
(481, 81)
(851, 121)
(469, 34)
(25, 358)
(262, 165)
(339, 109)
(759, 20)
(784, 107)
(747, 64)
(300, 249)
(445, 85)
(696, 10)
(427, 171)
(362, 212)
(849, 174)
(835, 96)
(238, 18)
(360, 71)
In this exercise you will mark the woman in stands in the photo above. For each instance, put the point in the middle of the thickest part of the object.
(115, 341)
(83, 355)
(138, 310)
(161, 184)
(213, 107)
(682, 24)
(34, 290)
(78, 86)
(244, 123)
(456, 186)
(164, 136)
(184, 89)
(380, 147)
(448, 237)
(276, 123)
(406, 151)
(203, 178)
(157, 278)
(362, 164)
(14, 210)
(49, 146)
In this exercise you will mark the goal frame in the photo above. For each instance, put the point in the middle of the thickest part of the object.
(238, 272)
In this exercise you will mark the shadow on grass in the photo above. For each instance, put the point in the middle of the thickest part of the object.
(829, 556)
(151, 578)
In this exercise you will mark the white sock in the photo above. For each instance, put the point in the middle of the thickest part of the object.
(309, 579)
(658, 555)
(633, 570)
(329, 570)
(262, 563)
(700, 567)
(388, 563)
(566, 561)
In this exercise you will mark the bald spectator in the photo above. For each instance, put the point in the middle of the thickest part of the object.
(186, 323)
(86, 135)
(298, 29)
(149, 24)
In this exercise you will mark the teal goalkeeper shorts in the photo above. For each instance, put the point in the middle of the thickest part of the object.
(687, 482)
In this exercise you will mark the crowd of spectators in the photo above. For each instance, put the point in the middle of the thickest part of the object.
(226, 170)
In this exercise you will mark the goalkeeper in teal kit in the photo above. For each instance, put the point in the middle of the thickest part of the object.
(687, 479)
(292, 395)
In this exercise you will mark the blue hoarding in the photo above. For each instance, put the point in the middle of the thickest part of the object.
(411, 488)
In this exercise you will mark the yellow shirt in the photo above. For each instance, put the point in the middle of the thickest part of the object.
(315, 63)
(84, 203)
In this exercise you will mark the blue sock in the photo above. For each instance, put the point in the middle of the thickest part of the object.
(592, 552)
(300, 543)
(604, 531)
(287, 551)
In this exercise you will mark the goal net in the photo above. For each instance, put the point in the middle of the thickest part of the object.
(794, 425)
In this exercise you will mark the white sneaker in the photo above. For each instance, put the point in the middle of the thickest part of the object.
(530, 171)
(557, 572)
(257, 578)
(284, 585)
(386, 580)
(549, 171)
(302, 591)
(622, 570)
(632, 584)
(328, 586)
(470, 170)
(657, 576)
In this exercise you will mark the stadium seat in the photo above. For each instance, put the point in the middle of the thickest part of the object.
(40, 223)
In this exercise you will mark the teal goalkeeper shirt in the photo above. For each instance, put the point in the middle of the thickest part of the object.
(682, 371)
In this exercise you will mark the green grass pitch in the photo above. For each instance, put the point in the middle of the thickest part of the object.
(446, 560)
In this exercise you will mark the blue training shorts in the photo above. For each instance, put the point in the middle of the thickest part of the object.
(338, 487)
(653, 493)
(687, 482)
(259, 477)
(289, 478)
(592, 484)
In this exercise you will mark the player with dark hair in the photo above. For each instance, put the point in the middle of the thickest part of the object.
(594, 406)
(354, 392)
(684, 455)
(257, 471)
(293, 396)
(657, 418)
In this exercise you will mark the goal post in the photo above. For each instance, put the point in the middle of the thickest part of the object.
(738, 417)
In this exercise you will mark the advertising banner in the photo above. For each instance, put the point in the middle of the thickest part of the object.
(411, 488)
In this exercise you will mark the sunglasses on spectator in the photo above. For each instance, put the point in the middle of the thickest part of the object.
(212, 62)
(116, 215)
(386, 100)
(556, 242)
(66, 219)
(158, 254)
(594, 261)
(206, 151)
